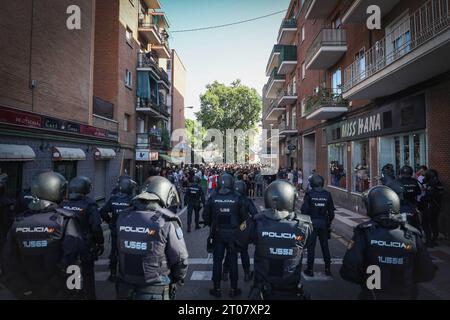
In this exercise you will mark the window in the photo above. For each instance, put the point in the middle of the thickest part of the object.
(129, 36)
(336, 81)
(361, 166)
(68, 169)
(294, 85)
(126, 122)
(303, 33)
(337, 158)
(140, 125)
(408, 149)
(303, 107)
(293, 117)
(128, 79)
(303, 71)
(361, 65)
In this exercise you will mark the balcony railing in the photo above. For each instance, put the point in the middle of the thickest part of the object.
(152, 104)
(145, 60)
(275, 76)
(326, 97)
(287, 24)
(326, 38)
(164, 76)
(148, 141)
(422, 25)
(283, 127)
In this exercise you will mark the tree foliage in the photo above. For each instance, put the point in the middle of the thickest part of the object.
(229, 107)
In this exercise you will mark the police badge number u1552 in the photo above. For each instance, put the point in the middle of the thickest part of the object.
(179, 233)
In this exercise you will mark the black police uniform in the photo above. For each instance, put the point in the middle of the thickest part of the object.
(116, 204)
(250, 211)
(411, 189)
(23, 201)
(40, 247)
(432, 206)
(394, 247)
(224, 213)
(152, 254)
(85, 210)
(279, 243)
(318, 204)
(194, 198)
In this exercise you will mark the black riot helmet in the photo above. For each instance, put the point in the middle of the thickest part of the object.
(49, 186)
(316, 182)
(406, 171)
(387, 174)
(126, 186)
(225, 183)
(159, 189)
(280, 196)
(240, 187)
(381, 200)
(79, 186)
(430, 176)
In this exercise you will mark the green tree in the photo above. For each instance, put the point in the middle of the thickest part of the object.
(229, 107)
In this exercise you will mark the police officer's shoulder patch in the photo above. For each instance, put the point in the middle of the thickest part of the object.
(179, 233)
(243, 226)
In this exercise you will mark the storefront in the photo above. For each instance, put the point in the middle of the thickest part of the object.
(358, 147)
(31, 143)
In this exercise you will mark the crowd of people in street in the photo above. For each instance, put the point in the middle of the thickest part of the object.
(55, 224)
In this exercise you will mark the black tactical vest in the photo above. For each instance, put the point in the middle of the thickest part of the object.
(119, 203)
(225, 215)
(39, 238)
(80, 209)
(279, 249)
(141, 241)
(193, 193)
(394, 251)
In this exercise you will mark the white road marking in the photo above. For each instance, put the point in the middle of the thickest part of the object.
(102, 262)
(318, 276)
(207, 261)
(102, 275)
(201, 275)
(346, 221)
(351, 213)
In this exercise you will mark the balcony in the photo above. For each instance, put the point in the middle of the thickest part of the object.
(415, 51)
(287, 130)
(273, 59)
(287, 59)
(327, 48)
(149, 30)
(320, 9)
(147, 62)
(164, 79)
(288, 30)
(327, 104)
(149, 141)
(162, 49)
(272, 112)
(152, 4)
(286, 97)
(356, 13)
(275, 83)
(152, 107)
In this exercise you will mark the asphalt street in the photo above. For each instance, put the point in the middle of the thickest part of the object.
(321, 287)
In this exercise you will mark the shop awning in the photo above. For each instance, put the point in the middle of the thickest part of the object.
(166, 157)
(14, 152)
(71, 154)
(104, 154)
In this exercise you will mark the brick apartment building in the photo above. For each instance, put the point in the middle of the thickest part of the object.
(363, 98)
(82, 102)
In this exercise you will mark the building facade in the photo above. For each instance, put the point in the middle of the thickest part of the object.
(366, 98)
(46, 98)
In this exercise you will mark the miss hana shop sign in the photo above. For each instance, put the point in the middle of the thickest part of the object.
(361, 126)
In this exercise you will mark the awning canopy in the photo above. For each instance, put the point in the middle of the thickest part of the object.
(73, 154)
(104, 154)
(14, 152)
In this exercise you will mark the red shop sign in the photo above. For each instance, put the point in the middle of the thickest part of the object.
(92, 131)
(20, 118)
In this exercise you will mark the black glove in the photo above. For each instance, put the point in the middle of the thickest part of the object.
(99, 249)
(172, 291)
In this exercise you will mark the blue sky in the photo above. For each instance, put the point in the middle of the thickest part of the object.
(223, 54)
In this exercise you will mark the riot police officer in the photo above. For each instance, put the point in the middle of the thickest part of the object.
(318, 204)
(86, 211)
(152, 252)
(411, 190)
(395, 247)
(42, 243)
(279, 235)
(22, 202)
(250, 210)
(432, 205)
(387, 174)
(110, 212)
(6, 213)
(224, 212)
(194, 198)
